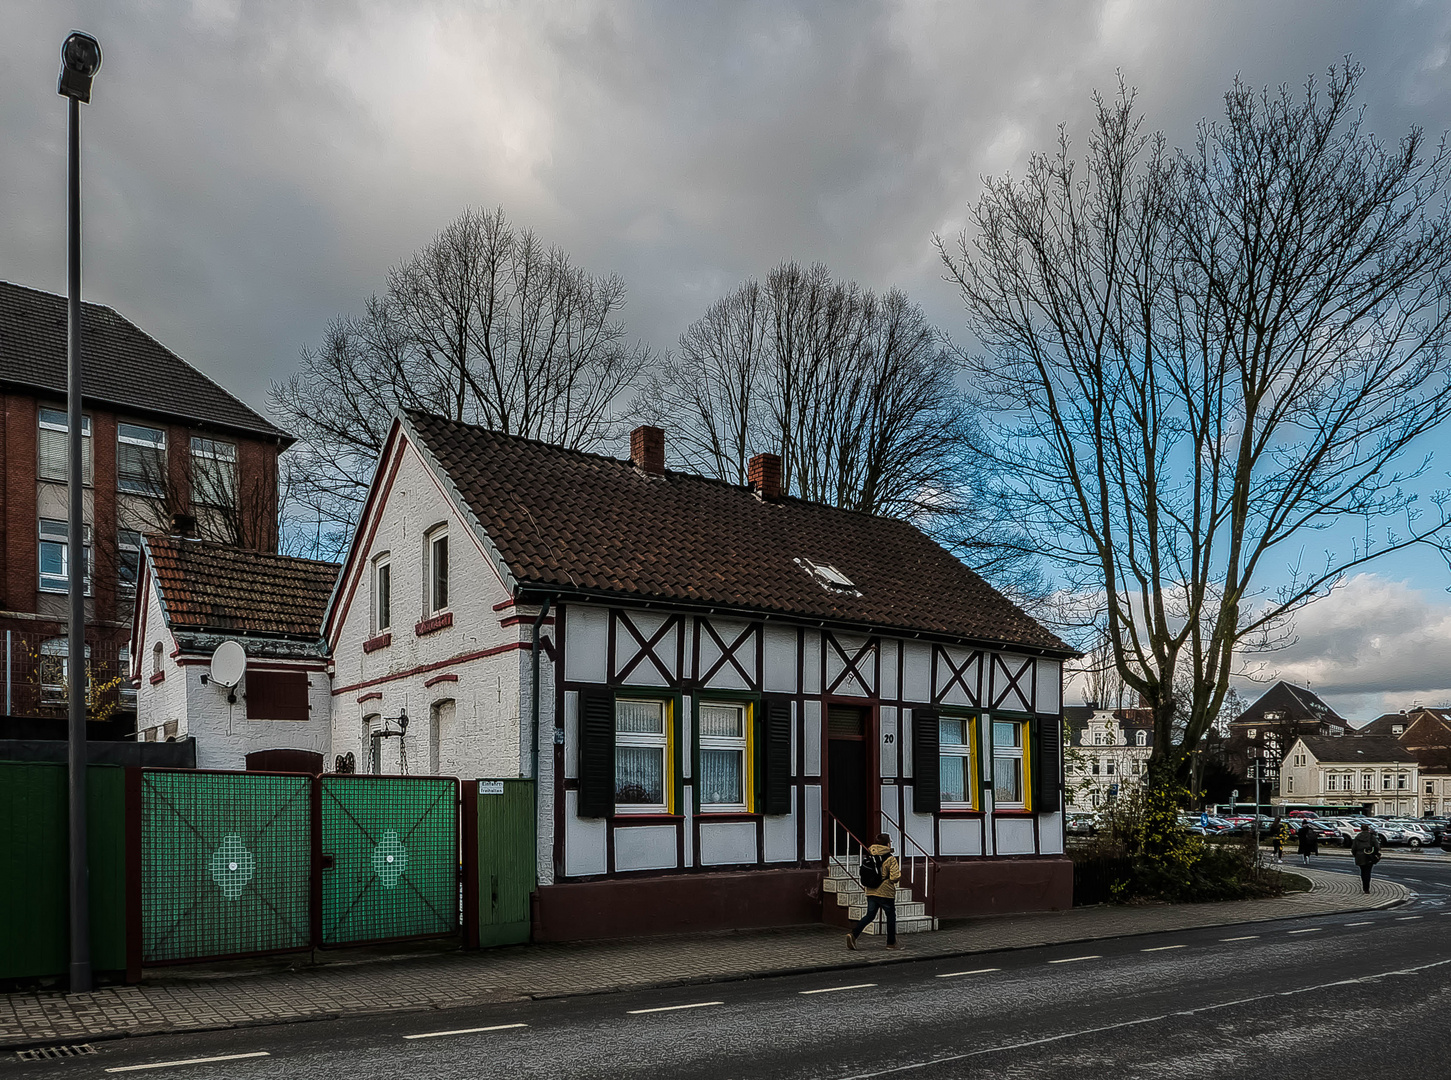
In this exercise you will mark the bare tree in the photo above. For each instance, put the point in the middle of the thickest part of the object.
(485, 324)
(1202, 359)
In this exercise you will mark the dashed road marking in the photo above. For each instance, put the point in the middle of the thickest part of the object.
(834, 989)
(674, 1008)
(1243, 937)
(187, 1061)
(1075, 959)
(1163, 948)
(1307, 930)
(1364, 922)
(974, 971)
(465, 1031)
(1406, 918)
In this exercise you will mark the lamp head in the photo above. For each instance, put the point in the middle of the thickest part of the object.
(80, 59)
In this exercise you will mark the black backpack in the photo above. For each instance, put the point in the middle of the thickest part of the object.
(871, 871)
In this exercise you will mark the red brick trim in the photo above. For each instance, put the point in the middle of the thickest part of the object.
(506, 604)
(382, 641)
(523, 620)
(450, 677)
(434, 625)
(376, 695)
(158, 677)
(522, 646)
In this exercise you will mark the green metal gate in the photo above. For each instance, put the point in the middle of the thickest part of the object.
(506, 860)
(389, 858)
(226, 862)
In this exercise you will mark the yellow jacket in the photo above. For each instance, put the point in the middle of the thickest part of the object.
(891, 872)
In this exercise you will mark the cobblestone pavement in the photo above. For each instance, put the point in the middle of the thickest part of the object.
(181, 999)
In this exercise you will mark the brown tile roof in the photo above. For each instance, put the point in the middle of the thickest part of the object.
(584, 523)
(214, 587)
(1340, 749)
(124, 366)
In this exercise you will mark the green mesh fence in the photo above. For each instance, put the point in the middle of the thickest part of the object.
(390, 858)
(225, 863)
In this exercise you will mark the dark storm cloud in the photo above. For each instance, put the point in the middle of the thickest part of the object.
(252, 169)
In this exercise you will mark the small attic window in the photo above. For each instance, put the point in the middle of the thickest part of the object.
(829, 577)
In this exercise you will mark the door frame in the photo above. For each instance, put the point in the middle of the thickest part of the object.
(871, 735)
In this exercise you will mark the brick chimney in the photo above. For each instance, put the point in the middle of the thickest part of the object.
(764, 472)
(647, 449)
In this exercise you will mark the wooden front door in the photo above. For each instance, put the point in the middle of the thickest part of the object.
(848, 794)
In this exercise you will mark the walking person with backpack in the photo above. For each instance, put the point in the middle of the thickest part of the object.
(880, 871)
(1366, 849)
(1309, 843)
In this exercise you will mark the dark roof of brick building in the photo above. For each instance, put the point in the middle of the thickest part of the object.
(585, 524)
(1339, 749)
(1297, 705)
(124, 366)
(217, 588)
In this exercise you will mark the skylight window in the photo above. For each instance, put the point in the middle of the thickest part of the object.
(829, 577)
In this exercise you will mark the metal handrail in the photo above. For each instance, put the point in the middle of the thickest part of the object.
(918, 869)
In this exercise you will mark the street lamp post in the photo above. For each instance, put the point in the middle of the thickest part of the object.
(80, 60)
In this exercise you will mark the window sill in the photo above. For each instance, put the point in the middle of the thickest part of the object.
(434, 624)
(727, 815)
(959, 812)
(382, 641)
(158, 677)
(645, 817)
(1014, 812)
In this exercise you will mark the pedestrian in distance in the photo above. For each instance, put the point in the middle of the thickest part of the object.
(1366, 850)
(1279, 832)
(880, 871)
(1309, 843)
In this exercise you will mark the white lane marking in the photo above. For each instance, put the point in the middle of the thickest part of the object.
(834, 989)
(1363, 922)
(1074, 959)
(1246, 937)
(984, 971)
(915, 1065)
(187, 1061)
(1406, 918)
(465, 1031)
(1163, 948)
(1307, 930)
(673, 1008)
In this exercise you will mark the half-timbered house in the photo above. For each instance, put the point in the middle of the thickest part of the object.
(712, 683)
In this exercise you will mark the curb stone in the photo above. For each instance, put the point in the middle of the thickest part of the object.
(1326, 888)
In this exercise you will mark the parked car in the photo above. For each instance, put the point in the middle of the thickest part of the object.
(1082, 824)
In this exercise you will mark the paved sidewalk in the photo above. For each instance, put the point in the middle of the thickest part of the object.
(189, 999)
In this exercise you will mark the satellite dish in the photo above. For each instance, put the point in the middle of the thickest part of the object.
(229, 661)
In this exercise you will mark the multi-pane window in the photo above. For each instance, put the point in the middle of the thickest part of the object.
(123, 669)
(1401, 782)
(1385, 782)
(1430, 787)
(141, 459)
(1367, 783)
(437, 572)
(1331, 781)
(954, 747)
(1290, 785)
(55, 668)
(1142, 738)
(128, 559)
(1108, 768)
(54, 443)
(642, 743)
(382, 594)
(724, 763)
(1010, 782)
(214, 472)
(55, 556)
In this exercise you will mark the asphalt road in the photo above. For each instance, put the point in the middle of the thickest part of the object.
(1283, 1000)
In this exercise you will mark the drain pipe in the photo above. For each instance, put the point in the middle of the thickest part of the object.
(534, 725)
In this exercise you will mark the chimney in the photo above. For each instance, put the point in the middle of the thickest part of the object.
(764, 472)
(647, 449)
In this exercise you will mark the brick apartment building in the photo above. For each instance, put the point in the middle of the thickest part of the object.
(166, 449)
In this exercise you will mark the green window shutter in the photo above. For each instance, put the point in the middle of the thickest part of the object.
(926, 773)
(596, 753)
(1047, 764)
(775, 740)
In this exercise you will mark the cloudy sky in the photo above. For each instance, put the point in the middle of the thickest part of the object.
(252, 169)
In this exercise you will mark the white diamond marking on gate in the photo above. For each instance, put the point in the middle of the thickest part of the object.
(232, 866)
(390, 859)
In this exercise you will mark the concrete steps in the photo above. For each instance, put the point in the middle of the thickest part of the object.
(842, 883)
